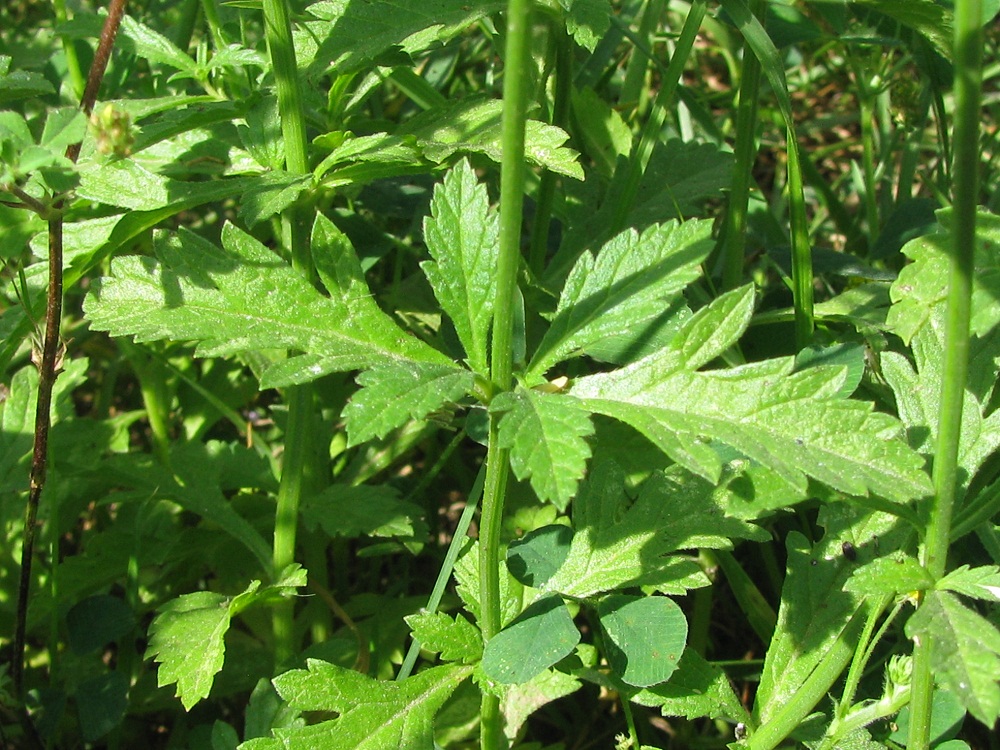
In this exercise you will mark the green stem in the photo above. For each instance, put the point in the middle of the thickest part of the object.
(278, 28)
(512, 173)
(968, 97)
(802, 267)
(745, 151)
(69, 49)
(635, 73)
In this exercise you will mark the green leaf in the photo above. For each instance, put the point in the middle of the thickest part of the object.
(895, 573)
(63, 127)
(200, 618)
(696, 690)
(536, 557)
(97, 621)
(363, 510)
(545, 434)
(127, 184)
(271, 194)
(919, 292)
(20, 84)
(979, 583)
(539, 637)
(812, 617)
(587, 20)
(793, 423)
(373, 714)
(467, 580)
(393, 394)
(928, 18)
(101, 703)
(203, 618)
(462, 236)
(966, 653)
(154, 46)
(646, 636)
(455, 638)
(247, 298)
(626, 286)
(619, 543)
(520, 701)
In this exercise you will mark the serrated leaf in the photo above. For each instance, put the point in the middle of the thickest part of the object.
(920, 291)
(895, 573)
(965, 657)
(462, 236)
(202, 618)
(540, 636)
(154, 46)
(374, 714)
(362, 510)
(467, 579)
(793, 423)
(980, 583)
(271, 194)
(455, 638)
(246, 298)
(545, 435)
(391, 395)
(619, 543)
(587, 20)
(646, 636)
(627, 285)
(63, 126)
(696, 690)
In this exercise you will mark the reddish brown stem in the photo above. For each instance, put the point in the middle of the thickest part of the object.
(48, 364)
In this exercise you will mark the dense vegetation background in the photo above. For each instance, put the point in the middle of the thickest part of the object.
(686, 311)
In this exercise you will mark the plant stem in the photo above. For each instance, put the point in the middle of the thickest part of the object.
(48, 366)
(968, 97)
(512, 173)
(69, 49)
(278, 28)
(745, 150)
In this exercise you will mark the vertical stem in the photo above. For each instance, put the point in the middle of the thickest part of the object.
(965, 186)
(69, 49)
(278, 29)
(512, 171)
(745, 150)
(802, 266)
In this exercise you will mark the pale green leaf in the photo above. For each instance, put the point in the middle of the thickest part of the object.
(247, 298)
(467, 585)
(473, 125)
(696, 690)
(545, 435)
(895, 573)
(373, 714)
(200, 618)
(393, 394)
(646, 636)
(63, 127)
(539, 637)
(980, 583)
(919, 293)
(462, 236)
(271, 194)
(520, 701)
(455, 638)
(627, 285)
(966, 652)
(619, 543)
(793, 423)
(125, 183)
(153, 46)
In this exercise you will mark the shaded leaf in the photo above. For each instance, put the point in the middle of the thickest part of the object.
(540, 636)
(536, 557)
(362, 510)
(646, 636)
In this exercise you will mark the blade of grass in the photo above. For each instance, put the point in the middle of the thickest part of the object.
(968, 46)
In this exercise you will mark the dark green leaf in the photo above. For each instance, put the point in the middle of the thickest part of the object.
(539, 637)
(536, 557)
(646, 636)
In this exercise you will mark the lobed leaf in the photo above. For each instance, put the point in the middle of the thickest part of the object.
(455, 638)
(966, 653)
(793, 423)
(626, 286)
(392, 394)
(545, 435)
(246, 298)
(462, 237)
(698, 689)
(374, 714)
